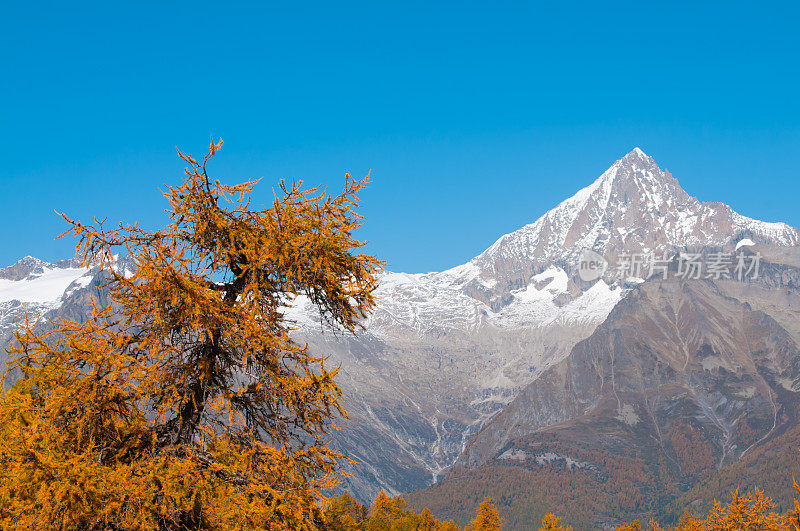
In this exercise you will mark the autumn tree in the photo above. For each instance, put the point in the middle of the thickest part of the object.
(688, 522)
(636, 526)
(487, 519)
(425, 521)
(386, 507)
(188, 405)
(344, 512)
(551, 522)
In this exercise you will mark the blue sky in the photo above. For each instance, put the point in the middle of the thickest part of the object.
(475, 118)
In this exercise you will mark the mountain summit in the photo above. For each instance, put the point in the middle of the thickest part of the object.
(633, 207)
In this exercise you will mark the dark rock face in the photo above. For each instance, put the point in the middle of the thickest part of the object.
(30, 267)
(683, 378)
(22, 269)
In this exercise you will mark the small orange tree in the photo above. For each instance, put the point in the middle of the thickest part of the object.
(487, 519)
(189, 406)
(551, 522)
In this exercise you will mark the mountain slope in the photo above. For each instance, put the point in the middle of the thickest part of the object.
(666, 339)
(772, 467)
(682, 379)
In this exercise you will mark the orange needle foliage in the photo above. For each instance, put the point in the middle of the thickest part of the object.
(551, 522)
(487, 519)
(189, 406)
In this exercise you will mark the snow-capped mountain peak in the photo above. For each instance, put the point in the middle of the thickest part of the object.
(637, 152)
(633, 207)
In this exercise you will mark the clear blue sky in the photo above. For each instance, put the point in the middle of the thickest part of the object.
(475, 118)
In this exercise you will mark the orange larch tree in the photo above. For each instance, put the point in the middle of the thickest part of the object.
(551, 522)
(189, 406)
(487, 519)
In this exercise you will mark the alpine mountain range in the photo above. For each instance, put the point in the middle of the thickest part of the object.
(513, 358)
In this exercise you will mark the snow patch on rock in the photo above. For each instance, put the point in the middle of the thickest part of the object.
(627, 414)
(49, 286)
